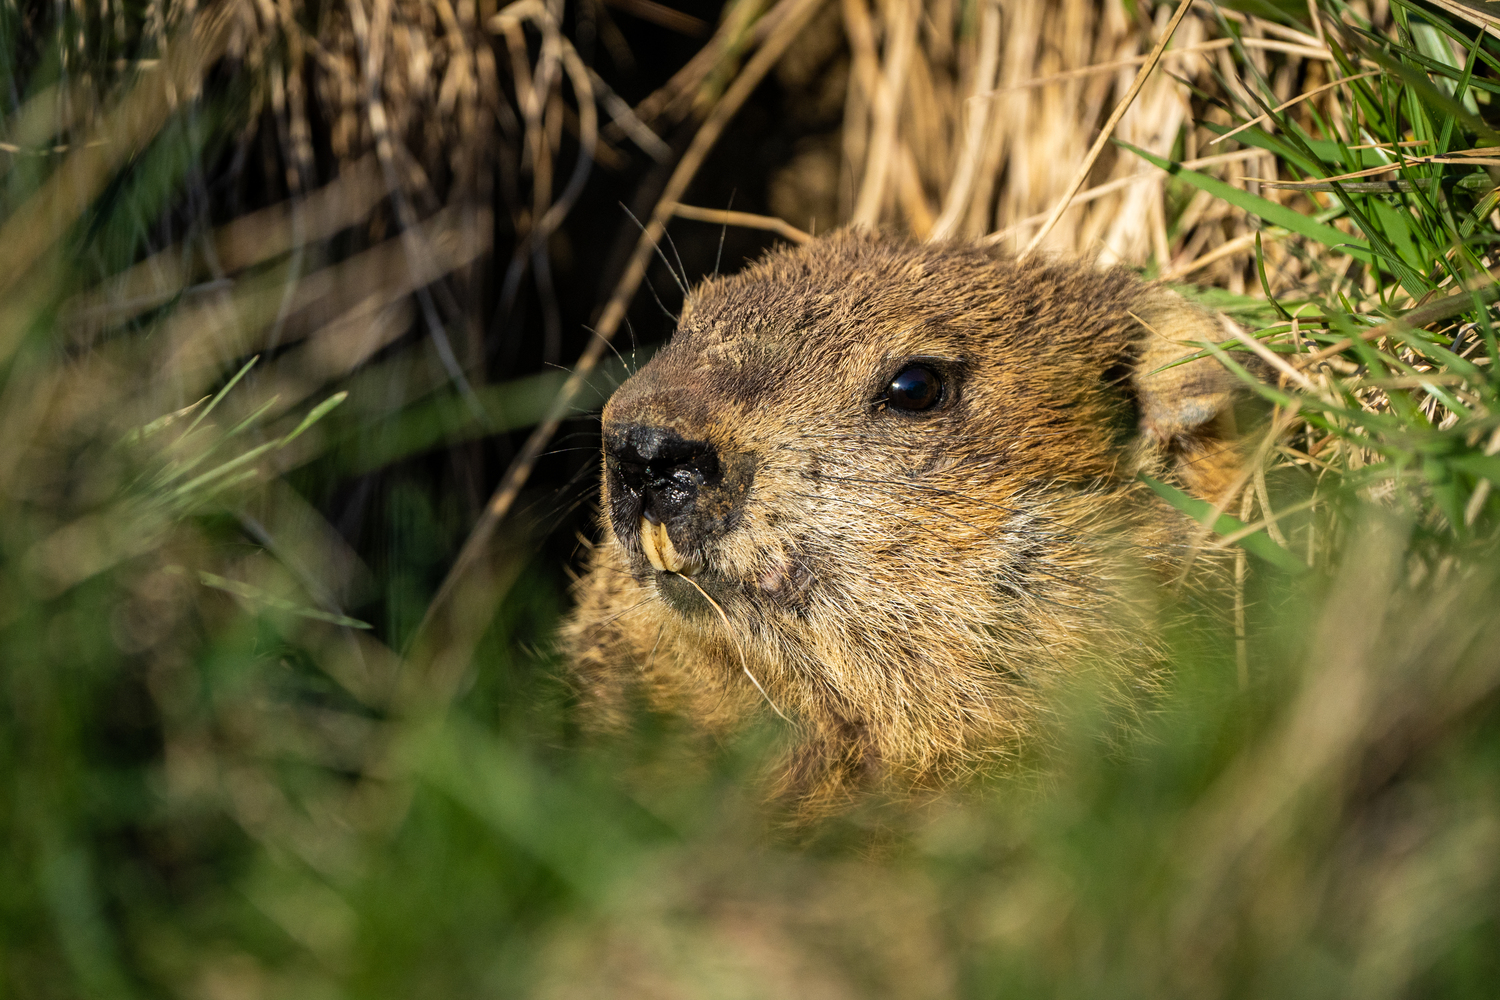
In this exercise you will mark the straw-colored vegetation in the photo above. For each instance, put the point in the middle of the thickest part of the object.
(263, 259)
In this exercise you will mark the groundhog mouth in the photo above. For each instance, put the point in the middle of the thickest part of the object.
(681, 579)
(663, 556)
(709, 593)
(695, 596)
(691, 585)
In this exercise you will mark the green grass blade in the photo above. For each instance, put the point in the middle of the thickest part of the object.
(1433, 97)
(219, 396)
(255, 595)
(318, 413)
(223, 470)
(1271, 212)
(1257, 543)
(1481, 466)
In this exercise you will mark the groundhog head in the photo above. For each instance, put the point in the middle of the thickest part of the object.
(888, 491)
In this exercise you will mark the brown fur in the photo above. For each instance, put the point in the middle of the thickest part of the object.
(908, 588)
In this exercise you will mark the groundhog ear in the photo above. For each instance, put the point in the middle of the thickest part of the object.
(1187, 411)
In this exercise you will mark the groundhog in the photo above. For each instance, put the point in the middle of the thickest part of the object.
(888, 491)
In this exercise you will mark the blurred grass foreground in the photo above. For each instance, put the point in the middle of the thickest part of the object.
(291, 482)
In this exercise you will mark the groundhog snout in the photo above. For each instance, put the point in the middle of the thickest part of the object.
(671, 495)
(661, 471)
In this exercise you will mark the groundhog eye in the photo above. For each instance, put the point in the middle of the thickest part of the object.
(915, 388)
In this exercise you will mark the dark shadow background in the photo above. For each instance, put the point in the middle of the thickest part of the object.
(408, 520)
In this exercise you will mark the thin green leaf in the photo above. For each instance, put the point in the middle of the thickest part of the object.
(225, 469)
(175, 472)
(1257, 543)
(160, 424)
(255, 595)
(1417, 80)
(1279, 215)
(1482, 466)
(318, 413)
(1265, 284)
(1460, 90)
(219, 396)
(1486, 205)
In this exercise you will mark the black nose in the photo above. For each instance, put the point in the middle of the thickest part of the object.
(659, 473)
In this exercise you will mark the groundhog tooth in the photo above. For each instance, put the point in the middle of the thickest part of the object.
(662, 554)
(669, 554)
(649, 543)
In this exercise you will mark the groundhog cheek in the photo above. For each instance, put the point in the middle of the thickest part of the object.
(786, 579)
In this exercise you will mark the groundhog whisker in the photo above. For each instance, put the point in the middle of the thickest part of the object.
(1030, 533)
(886, 511)
(566, 451)
(635, 346)
(734, 641)
(723, 232)
(656, 245)
(588, 381)
(897, 492)
(624, 365)
(906, 520)
(1034, 511)
(651, 660)
(576, 485)
(1040, 432)
(893, 488)
(910, 501)
(637, 606)
(681, 267)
